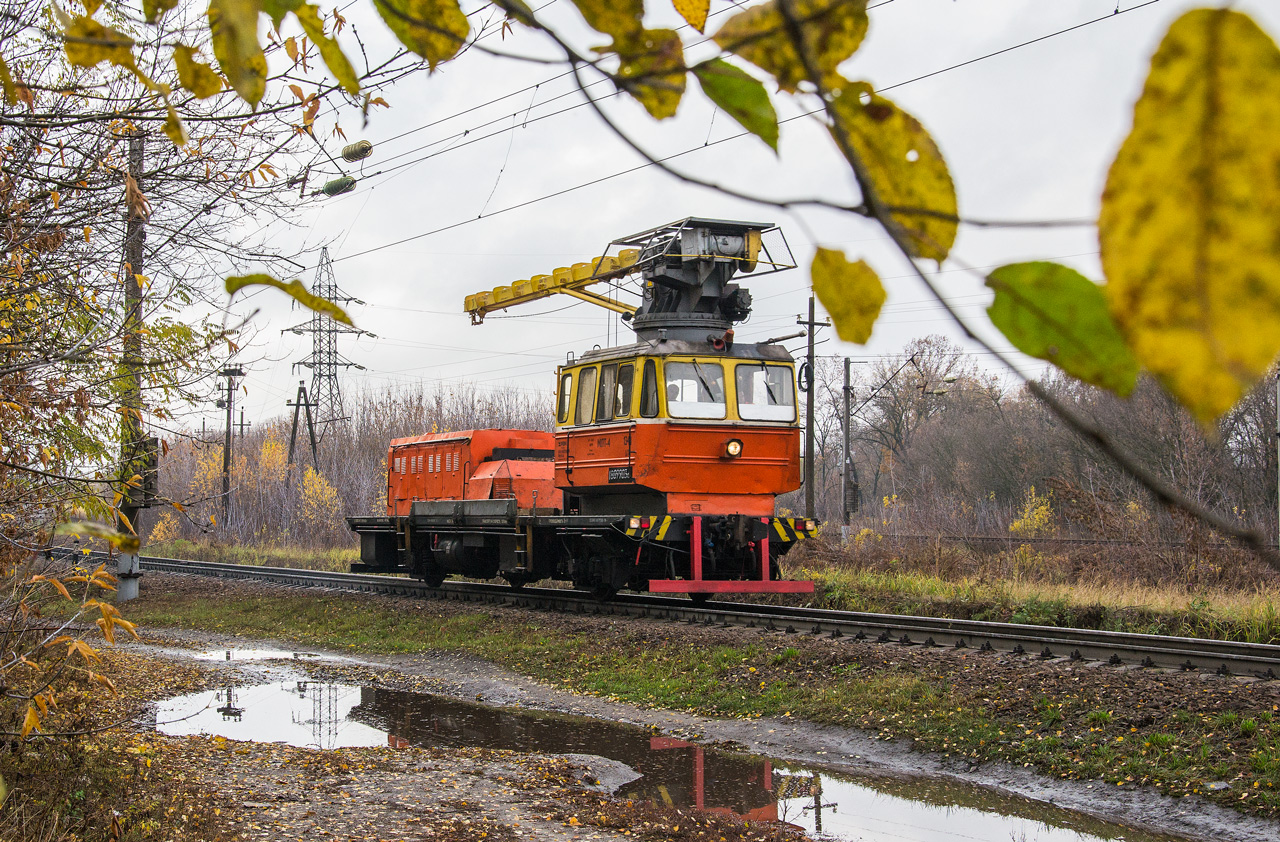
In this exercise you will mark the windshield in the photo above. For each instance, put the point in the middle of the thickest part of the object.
(765, 392)
(695, 390)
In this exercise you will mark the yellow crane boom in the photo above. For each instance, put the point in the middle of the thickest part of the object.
(566, 280)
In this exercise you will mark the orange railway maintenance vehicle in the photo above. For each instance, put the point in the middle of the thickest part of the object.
(667, 454)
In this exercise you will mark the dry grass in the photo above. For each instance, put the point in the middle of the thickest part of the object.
(337, 560)
(1197, 591)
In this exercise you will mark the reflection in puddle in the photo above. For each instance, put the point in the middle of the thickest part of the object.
(674, 772)
(235, 655)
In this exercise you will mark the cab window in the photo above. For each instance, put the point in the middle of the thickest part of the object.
(622, 393)
(695, 389)
(765, 392)
(562, 401)
(586, 396)
(608, 384)
(649, 390)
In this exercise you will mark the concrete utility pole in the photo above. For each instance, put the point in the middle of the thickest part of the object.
(231, 373)
(132, 444)
(303, 402)
(812, 326)
(848, 477)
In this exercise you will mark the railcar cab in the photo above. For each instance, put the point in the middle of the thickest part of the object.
(673, 426)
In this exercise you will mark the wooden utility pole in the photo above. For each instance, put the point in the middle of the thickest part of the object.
(133, 455)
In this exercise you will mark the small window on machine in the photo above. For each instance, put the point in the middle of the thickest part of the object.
(604, 400)
(649, 390)
(586, 396)
(562, 402)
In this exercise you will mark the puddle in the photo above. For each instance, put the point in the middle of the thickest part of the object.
(243, 655)
(827, 806)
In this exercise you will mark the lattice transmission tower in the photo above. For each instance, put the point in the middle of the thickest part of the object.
(324, 361)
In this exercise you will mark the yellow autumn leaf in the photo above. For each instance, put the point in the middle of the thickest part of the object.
(174, 128)
(154, 9)
(336, 60)
(850, 292)
(434, 29)
(1190, 221)
(84, 650)
(293, 288)
(195, 76)
(832, 29)
(903, 166)
(652, 70)
(6, 82)
(89, 43)
(31, 721)
(618, 18)
(53, 580)
(694, 12)
(233, 25)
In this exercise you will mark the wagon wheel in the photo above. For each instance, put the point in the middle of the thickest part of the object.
(699, 598)
(603, 593)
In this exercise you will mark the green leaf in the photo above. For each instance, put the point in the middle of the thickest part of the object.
(1190, 220)
(278, 10)
(6, 82)
(903, 165)
(309, 16)
(434, 29)
(832, 30)
(652, 70)
(1054, 313)
(124, 541)
(694, 12)
(197, 77)
(293, 288)
(741, 96)
(620, 19)
(156, 9)
(234, 27)
(850, 292)
(89, 43)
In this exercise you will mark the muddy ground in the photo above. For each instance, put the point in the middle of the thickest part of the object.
(274, 791)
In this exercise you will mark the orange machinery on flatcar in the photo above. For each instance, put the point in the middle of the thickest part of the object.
(667, 456)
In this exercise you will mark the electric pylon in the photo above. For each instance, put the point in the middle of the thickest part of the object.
(324, 361)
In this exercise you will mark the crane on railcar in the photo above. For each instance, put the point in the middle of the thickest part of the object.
(667, 453)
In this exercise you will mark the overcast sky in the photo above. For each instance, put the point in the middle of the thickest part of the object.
(478, 153)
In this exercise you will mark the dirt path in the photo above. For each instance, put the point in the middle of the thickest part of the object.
(846, 751)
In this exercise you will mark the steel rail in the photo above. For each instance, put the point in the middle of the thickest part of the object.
(1126, 649)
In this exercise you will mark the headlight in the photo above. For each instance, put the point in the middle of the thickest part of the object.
(810, 525)
(733, 448)
(634, 523)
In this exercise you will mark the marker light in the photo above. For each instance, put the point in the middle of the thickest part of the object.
(733, 448)
(634, 523)
(810, 525)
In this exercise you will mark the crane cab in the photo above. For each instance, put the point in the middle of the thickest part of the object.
(677, 427)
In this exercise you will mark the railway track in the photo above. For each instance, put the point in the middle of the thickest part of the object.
(1119, 649)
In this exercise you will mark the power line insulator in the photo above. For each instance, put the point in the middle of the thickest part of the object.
(338, 186)
(357, 151)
